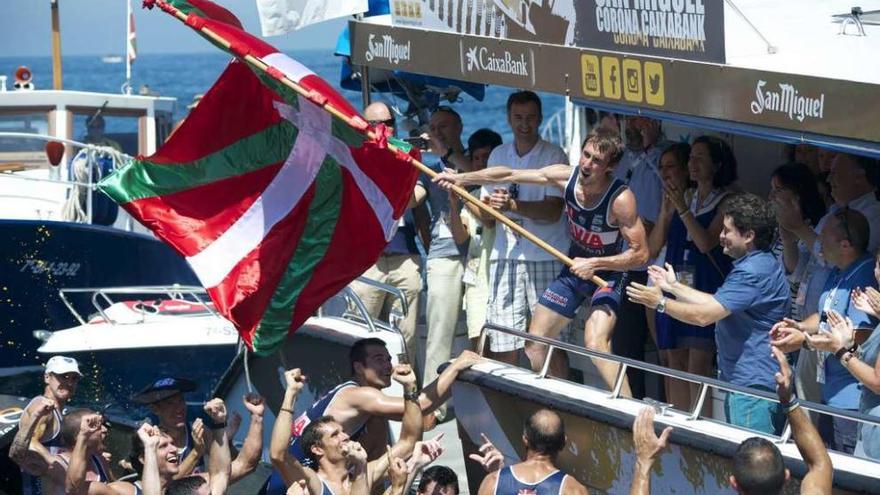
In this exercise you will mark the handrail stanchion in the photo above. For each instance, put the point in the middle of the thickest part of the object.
(786, 433)
(546, 366)
(618, 382)
(698, 407)
(481, 345)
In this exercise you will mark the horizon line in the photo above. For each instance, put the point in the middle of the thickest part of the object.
(103, 54)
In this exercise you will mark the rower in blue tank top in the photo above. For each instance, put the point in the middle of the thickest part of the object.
(543, 438)
(607, 240)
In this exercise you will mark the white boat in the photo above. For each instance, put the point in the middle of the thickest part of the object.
(112, 59)
(56, 229)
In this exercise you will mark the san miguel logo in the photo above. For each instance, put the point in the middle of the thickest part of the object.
(787, 100)
(504, 62)
(385, 47)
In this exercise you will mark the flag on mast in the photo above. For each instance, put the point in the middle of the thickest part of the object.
(131, 45)
(275, 203)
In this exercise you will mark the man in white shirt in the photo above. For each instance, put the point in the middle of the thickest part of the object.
(519, 270)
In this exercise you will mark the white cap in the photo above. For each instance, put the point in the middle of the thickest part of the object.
(61, 365)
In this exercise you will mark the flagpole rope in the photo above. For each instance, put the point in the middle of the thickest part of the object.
(360, 125)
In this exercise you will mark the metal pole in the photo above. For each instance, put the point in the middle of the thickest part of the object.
(366, 98)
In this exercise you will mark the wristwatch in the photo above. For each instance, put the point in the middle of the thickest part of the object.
(413, 396)
(661, 306)
(846, 353)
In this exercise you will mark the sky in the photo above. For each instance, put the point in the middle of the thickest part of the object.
(97, 27)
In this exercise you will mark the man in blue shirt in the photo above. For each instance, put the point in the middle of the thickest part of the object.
(844, 241)
(754, 296)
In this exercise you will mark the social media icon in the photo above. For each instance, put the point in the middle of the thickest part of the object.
(590, 71)
(632, 86)
(611, 78)
(655, 91)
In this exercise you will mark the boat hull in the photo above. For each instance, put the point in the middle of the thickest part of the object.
(600, 452)
(38, 258)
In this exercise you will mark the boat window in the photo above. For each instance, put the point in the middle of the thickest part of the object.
(29, 123)
(116, 131)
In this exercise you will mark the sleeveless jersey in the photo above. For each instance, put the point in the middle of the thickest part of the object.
(509, 484)
(317, 410)
(325, 488)
(188, 447)
(33, 485)
(592, 234)
(275, 485)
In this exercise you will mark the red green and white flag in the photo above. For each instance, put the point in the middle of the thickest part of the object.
(275, 203)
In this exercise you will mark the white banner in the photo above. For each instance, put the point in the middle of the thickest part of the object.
(283, 16)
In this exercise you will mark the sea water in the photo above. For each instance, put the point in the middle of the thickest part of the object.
(183, 76)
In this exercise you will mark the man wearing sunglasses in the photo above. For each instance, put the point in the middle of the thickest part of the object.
(400, 261)
(40, 425)
(843, 240)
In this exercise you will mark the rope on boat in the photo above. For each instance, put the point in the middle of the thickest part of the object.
(86, 169)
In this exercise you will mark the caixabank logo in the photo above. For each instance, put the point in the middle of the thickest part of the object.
(511, 63)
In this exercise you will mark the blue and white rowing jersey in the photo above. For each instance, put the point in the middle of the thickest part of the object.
(592, 233)
(509, 484)
(317, 410)
(275, 485)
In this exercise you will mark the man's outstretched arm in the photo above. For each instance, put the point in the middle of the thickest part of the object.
(648, 449)
(248, 458)
(553, 175)
(411, 427)
(374, 402)
(288, 466)
(809, 443)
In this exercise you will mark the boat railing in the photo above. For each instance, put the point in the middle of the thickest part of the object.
(705, 383)
(355, 310)
(363, 315)
(553, 130)
(88, 184)
(101, 297)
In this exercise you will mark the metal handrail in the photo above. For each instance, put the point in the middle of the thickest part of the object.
(705, 382)
(47, 138)
(351, 295)
(173, 292)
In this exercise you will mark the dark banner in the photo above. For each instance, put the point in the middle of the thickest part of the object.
(686, 29)
(786, 101)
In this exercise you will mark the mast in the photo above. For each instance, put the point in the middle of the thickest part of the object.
(130, 46)
(56, 46)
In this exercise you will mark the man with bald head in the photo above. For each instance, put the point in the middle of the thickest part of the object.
(544, 438)
(399, 264)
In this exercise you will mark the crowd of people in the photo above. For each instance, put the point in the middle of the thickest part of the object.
(667, 251)
(337, 445)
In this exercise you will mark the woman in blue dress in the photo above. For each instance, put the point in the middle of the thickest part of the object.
(688, 227)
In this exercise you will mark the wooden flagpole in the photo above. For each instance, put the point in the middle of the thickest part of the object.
(361, 125)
